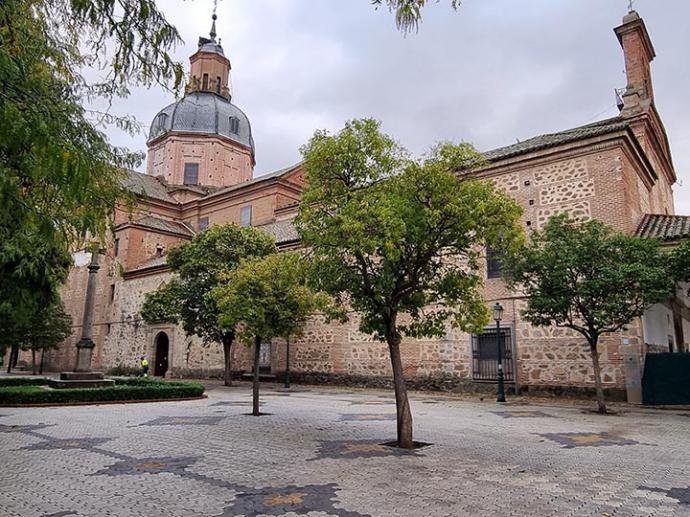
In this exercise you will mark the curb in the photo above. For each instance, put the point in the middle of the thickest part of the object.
(103, 402)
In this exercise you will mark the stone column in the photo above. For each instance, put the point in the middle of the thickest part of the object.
(86, 345)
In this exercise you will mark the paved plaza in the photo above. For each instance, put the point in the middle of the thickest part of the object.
(319, 452)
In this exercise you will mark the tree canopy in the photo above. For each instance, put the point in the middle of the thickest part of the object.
(395, 237)
(265, 298)
(408, 13)
(198, 266)
(59, 176)
(589, 278)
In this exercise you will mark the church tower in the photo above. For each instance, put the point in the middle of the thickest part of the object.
(203, 139)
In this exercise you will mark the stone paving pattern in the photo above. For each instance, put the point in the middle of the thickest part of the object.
(314, 455)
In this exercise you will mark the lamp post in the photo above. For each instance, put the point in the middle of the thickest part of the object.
(498, 315)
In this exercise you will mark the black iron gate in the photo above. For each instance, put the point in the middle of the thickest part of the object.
(485, 356)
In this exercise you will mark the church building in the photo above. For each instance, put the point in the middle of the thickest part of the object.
(199, 172)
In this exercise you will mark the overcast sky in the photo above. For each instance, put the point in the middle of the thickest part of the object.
(490, 73)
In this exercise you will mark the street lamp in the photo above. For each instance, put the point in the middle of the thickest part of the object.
(498, 315)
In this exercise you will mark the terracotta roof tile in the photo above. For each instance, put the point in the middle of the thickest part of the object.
(145, 185)
(553, 139)
(664, 227)
(281, 231)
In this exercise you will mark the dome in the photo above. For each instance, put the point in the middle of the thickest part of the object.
(204, 113)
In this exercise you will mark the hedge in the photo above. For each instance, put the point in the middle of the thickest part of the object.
(23, 381)
(125, 389)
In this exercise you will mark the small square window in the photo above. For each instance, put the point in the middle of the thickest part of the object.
(527, 183)
(203, 223)
(531, 202)
(191, 173)
(246, 216)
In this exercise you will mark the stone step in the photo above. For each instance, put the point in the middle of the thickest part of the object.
(262, 376)
(81, 376)
(83, 383)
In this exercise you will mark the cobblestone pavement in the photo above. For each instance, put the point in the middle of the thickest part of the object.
(319, 452)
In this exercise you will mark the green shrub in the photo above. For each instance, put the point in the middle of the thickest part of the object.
(23, 381)
(125, 389)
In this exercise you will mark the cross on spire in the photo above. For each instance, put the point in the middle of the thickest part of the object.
(214, 17)
(630, 5)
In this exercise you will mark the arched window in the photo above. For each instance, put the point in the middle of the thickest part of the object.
(234, 125)
(204, 82)
(218, 85)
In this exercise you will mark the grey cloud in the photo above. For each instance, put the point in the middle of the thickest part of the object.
(493, 71)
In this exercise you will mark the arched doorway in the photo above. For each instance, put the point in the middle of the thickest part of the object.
(160, 366)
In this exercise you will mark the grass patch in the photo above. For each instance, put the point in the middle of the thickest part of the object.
(124, 390)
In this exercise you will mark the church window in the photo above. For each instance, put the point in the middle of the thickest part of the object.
(218, 85)
(159, 251)
(112, 292)
(246, 216)
(191, 173)
(234, 125)
(162, 118)
(203, 223)
(493, 263)
(204, 82)
(116, 248)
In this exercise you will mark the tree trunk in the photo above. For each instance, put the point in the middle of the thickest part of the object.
(601, 403)
(255, 384)
(287, 364)
(14, 357)
(40, 368)
(227, 356)
(401, 401)
(33, 361)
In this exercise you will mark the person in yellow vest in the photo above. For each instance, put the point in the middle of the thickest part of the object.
(144, 367)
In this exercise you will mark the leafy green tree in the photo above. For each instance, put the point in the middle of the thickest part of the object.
(199, 265)
(586, 277)
(408, 13)
(47, 329)
(59, 176)
(399, 240)
(266, 298)
(680, 261)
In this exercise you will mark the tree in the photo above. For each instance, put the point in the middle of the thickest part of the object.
(680, 262)
(59, 176)
(199, 265)
(266, 298)
(586, 277)
(398, 239)
(46, 331)
(408, 13)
